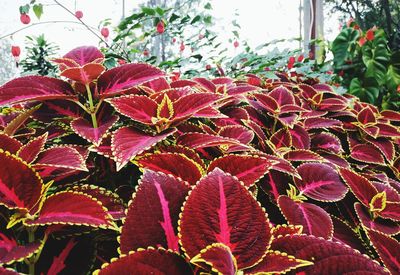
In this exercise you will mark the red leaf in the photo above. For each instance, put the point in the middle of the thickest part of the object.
(281, 230)
(200, 140)
(385, 146)
(178, 165)
(31, 150)
(137, 107)
(11, 252)
(114, 204)
(281, 139)
(385, 130)
(385, 226)
(9, 144)
(367, 153)
(303, 155)
(276, 262)
(127, 142)
(361, 187)
(85, 128)
(300, 137)
(282, 96)
(315, 220)
(20, 190)
(320, 122)
(80, 56)
(388, 249)
(343, 233)
(391, 211)
(30, 88)
(238, 132)
(84, 74)
(326, 141)
(192, 103)
(148, 261)
(328, 257)
(153, 213)
(61, 157)
(211, 214)
(366, 116)
(219, 257)
(117, 80)
(72, 208)
(320, 182)
(248, 169)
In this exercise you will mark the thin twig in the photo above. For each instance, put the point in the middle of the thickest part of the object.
(40, 23)
(83, 23)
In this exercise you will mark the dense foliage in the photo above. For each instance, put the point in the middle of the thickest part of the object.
(180, 176)
(370, 70)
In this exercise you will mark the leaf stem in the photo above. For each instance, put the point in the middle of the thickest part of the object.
(91, 106)
(32, 260)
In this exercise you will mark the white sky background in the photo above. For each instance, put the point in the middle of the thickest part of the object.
(261, 20)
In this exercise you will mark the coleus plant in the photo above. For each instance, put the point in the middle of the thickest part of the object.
(232, 176)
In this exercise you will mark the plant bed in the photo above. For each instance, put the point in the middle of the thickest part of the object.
(127, 171)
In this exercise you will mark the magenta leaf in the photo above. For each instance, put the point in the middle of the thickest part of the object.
(153, 213)
(211, 215)
(31, 150)
(127, 142)
(276, 262)
(61, 157)
(72, 208)
(367, 153)
(315, 220)
(178, 165)
(120, 79)
(328, 257)
(85, 128)
(21, 190)
(320, 182)
(147, 261)
(30, 88)
(11, 252)
(388, 249)
(218, 257)
(248, 169)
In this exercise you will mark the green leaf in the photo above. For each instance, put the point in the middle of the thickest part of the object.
(207, 19)
(367, 90)
(195, 19)
(208, 6)
(38, 10)
(173, 17)
(393, 73)
(24, 8)
(148, 11)
(376, 57)
(160, 11)
(343, 46)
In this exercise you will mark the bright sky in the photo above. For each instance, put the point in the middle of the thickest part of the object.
(261, 20)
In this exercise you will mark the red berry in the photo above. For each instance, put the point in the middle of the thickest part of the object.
(105, 32)
(329, 72)
(267, 69)
(25, 19)
(208, 67)
(173, 40)
(182, 47)
(362, 41)
(369, 35)
(341, 73)
(236, 44)
(160, 27)
(398, 89)
(291, 62)
(121, 61)
(15, 51)
(146, 53)
(300, 58)
(201, 36)
(79, 14)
